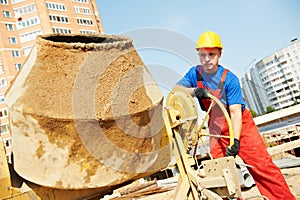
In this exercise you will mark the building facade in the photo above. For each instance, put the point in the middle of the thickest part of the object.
(21, 21)
(274, 80)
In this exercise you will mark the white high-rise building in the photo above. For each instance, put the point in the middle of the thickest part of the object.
(274, 80)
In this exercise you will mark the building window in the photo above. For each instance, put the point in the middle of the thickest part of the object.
(16, 1)
(3, 82)
(18, 66)
(76, 9)
(3, 128)
(24, 10)
(7, 143)
(86, 11)
(28, 22)
(1, 69)
(55, 6)
(6, 14)
(4, 2)
(62, 30)
(81, 1)
(15, 53)
(27, 50)
(88, 22)
(87, 32)
(3, 113)
(29, 36)
(12, 40)
(61, 19)
(82, 10)
(10, 27)
(2, 98)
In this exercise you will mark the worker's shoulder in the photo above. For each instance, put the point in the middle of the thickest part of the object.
(231, 78)
(229, 74)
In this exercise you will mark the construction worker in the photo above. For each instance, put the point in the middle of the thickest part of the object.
(211, 77)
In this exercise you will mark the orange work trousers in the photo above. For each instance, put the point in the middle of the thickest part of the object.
(265, 173)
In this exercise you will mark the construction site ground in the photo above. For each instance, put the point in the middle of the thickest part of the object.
(292, 177)
(155, 192)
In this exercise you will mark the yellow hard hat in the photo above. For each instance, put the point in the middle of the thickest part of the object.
(209, 39)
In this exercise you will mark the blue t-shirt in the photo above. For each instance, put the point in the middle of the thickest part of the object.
(231, 92)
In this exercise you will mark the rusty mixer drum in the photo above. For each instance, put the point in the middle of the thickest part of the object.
(85, 112)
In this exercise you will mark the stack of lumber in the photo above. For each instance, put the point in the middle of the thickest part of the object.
(138, 190)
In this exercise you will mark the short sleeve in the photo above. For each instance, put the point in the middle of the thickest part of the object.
(189, 79)
(234, 91)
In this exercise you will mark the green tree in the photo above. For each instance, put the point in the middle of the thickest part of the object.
(296, 101)
(253, 113)
(270, 109)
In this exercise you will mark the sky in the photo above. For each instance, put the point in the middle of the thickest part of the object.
(164, 32)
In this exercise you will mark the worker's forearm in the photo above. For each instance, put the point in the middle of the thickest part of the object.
(189, 90)
(237, 128)
(236, 119)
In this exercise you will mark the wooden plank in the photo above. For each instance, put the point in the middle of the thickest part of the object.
(229, 182)
(275, 137)
(283, 147)
(211, 195)
(184, 162)
(212, 182)
(135, 187)
(182, 189)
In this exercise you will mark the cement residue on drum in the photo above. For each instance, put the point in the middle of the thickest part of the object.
(82, 107)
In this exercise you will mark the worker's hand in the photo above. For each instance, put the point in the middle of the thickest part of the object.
(234, 149)
(201, 93)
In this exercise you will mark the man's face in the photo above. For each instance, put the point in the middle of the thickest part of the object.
(209, 59)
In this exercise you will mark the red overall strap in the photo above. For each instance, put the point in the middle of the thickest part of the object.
(221, 84)
(200, 79)
(217, 93)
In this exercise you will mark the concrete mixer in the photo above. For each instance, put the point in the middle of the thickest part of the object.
(86, 117)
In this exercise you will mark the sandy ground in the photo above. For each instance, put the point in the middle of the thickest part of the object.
(292, 176)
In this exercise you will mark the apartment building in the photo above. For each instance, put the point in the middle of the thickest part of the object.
(274, 80)
(21, 21)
